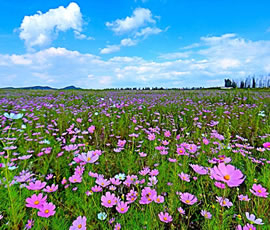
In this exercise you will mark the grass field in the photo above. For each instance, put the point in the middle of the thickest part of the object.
(134, 159)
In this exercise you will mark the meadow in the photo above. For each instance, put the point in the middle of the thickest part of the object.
(134, 159)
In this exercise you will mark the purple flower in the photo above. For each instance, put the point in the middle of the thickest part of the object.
(224, 202)
(89, 157)
(51, 188)
(36, 201)
(259, 191)
(243, 198)
(165, 217)
(29, 224)
(47, 210)
(227, 173)
(253, 220)
(188, 198)
(38, 185)
(206, 214)
(199, 169)
(184, 177)
(79, 223)
(109, 200)
(122, 207)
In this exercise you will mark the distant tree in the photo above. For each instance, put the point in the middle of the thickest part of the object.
(242, 85)
(234, 85)
(253, 83)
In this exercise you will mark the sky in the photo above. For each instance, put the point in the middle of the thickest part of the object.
(132, 43)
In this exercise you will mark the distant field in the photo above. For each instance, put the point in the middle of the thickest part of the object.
(134, 159)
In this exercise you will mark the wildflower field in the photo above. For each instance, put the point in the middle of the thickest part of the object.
(134, 160)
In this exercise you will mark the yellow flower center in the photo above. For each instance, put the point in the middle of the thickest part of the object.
(75, 179)
(36, 202)
(79, 226)
(165, 218)
(158, 200)
(227, 177)
(89, 159)
(259, 191)
(122, 209)
(224, 202)
(188, 201)
(109, 202)
(46, 211)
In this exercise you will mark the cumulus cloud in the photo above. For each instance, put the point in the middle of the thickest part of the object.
(137, 26)
(114, 48)
(145, 32)
(139, 18)
(216, 58)
(41, 28)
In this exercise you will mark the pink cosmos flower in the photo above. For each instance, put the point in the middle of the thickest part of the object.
(29, 224)
(246, 227)
(192, 148)
(89, 157)
(102, 182)
(38, 185)
(47, 210)
(117, 226)
(227, 173)
(181, 211)
(121, 143)
(243, 198)
(266, 145)
(206, 214)
(219, 185)
(167, 133)
(259, 191)
(122, 207)
(165, 217)
(36, 201)
(151, 137)
(109, 200)
(199, 169)
(51, 188)
(96, 188)
(148, 195)
(75, 179)
(188, 198)
(159, 199)
(79, 223)
(224, 201)
(91, 129)
(181, 151)
(184, 177)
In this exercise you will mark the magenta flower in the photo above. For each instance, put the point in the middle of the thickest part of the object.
(224, 201)
(181, 151)
(181, 211)
(199, 169)
(29, 224)
(206, 214)
(188, 198)
(184, 177)
(109, 200)
(253, 220)
(75, 179)
(165, 217)
(159, 199)
(47, 210)
(148, 195)
(36, 201)
(151, 137)
(219, 185)
(89, 157)
(243, 198)
(259, 191)
(102, 182)
(91, 129)
(266, 145)
(122, 207)
(38, 185)
(79, 223)
(96, 188)
(228, 174)
(117, 226)
(51, 188)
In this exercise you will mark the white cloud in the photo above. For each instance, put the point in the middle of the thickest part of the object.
(145, 32)
(139, 18)
(206, 65)
(110, 49)
(40, 29)
(115, 48)
(128, 42)
(81, 36)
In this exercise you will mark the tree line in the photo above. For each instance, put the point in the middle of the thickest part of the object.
(249, 82)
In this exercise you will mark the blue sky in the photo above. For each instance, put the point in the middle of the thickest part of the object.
(132, 43)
